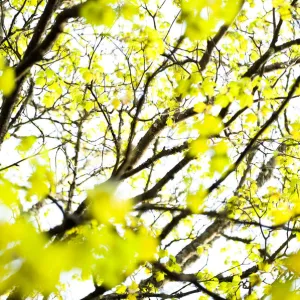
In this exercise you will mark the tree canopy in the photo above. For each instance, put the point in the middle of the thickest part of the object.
(149, 149)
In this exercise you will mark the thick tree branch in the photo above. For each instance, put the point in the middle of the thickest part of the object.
(41, 26)
(151, 160)
(281, 65)
(158, 186)
(39, 51)
(32, 58)
(273, 117)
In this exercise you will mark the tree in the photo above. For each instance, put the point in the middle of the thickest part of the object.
(151, 148)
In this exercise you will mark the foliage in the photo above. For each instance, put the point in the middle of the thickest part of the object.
(149, 148)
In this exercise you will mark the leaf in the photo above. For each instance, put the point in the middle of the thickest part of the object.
(30, 247)
(121, 289)
(2, 62)
(115, 209)
(170, 122)
(154, 44)
(98, 13)
(209, 126)
(281, 214)
(40, 81)
(253, 296)
(129, 10)
(87, 76)
(26, 143)
(200, 250)
(195, 202)
(254, 279)
(41, 182)
(56, 88)
(116, 103)
(284, 8)
(283, 291)
(197, 26)
(133, 288)
(236, 279)
(219, 163)
(198, 147)
(207, 87)
(268, 93)
(234, 88)
(48, 100)
(49, 73)
(159, 276)
(7, 81)
(223, 100)
(246, 100)
(295, 132)
(221, 148)
(89, 105)
(251, 118)
(199, 107)
(144, 244)
(8, 193)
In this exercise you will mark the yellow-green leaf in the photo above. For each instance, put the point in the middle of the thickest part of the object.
(7, 81)
(104, 196)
